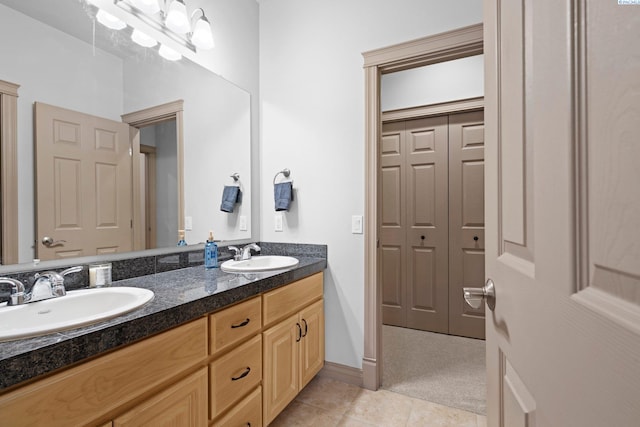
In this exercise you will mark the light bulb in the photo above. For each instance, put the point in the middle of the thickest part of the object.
(168, 53)
(149, 7)
(202, 37)
(142, 39)
(109, 21)
(177, 19)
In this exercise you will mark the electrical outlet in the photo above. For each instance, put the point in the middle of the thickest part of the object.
(278, 222)
(356, 224)
(243, 223)
(188, 223)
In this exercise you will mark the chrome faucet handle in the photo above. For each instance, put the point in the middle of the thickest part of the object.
(48, 284)
(237, 253)
(17, 290)
(246, 251)
(70, 270)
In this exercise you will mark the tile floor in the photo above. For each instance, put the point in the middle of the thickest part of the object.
(329, 403)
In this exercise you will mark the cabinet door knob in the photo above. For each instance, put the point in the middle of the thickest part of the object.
(306, 328)
(240, 325)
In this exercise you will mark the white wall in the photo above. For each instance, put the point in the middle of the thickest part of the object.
(312, 122)
(432, 84)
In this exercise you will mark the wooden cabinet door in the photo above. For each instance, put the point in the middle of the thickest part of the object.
(181, 405)
(280, 350)
(312, 342)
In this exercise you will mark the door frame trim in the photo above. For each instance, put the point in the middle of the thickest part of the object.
(146, 117)
(9, 178)
(455, 44)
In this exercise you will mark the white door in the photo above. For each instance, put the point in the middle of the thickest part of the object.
(83, 184)
(562, 118)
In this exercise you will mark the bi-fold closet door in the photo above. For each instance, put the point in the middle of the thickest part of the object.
(432, 222)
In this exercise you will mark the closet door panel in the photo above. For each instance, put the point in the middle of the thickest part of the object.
(427, 223)
(466, 215)
(393, 224)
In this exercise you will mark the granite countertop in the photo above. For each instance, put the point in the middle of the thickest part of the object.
(180, 296)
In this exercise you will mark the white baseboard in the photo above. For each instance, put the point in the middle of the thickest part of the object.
(344, 373)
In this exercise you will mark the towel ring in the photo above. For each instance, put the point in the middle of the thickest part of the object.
(285, 172)
(235, 176)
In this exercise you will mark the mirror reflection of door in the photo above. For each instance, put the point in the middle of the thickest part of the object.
(83, 184)
(159, 170)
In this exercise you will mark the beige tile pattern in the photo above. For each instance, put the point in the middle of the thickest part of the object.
(329, 403)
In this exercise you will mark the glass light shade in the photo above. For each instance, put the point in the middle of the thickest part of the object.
(109, 21)
(177, 19)
(168, 53)
(202, 37)
(142, 39)
(149, 7)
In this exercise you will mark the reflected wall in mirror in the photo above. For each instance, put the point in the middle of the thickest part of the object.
(60, 62)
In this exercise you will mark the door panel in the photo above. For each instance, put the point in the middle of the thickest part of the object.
(392, 229)
(466, 216)
(83, 184)
(563, 341)
(427, 221)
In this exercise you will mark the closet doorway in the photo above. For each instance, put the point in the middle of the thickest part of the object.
(431, 214)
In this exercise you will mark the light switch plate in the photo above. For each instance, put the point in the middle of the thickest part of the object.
(356, 224)
(243, 223)
(278, 222)
(188, 223)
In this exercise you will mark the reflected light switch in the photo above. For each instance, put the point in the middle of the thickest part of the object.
(243, 223)
(188, 223)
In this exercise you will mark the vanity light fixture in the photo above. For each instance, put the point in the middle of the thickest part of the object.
(169, 54)
(176, 17)
(150, 7)
(202, 35)
(109, 21)
(142, 39)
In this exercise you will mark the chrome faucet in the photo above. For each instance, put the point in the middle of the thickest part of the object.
(237, 255)
(16, 297)
(49, 284)
(246, 251)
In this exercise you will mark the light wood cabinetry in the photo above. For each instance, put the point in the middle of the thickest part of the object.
(293, 348)
(235, 374)
(182, 404)
(92, 393)
(246, 413)
(236, 367)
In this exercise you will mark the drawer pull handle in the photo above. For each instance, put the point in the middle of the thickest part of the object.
(240, 325)
(299, 337)
(306, 328)
(242, 375)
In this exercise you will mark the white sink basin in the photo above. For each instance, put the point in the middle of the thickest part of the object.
(77, 308)
(259, 263)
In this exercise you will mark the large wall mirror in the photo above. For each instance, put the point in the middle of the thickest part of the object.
(61, 57)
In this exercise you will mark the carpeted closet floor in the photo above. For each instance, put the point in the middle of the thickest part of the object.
(439, 368)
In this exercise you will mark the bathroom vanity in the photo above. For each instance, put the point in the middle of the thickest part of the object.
(212, 348)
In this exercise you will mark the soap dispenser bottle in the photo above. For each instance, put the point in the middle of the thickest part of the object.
(210, 252)
(181, 241)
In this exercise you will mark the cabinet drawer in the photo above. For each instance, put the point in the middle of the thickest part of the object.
(182, 404)
(234, 375)
(246, 413)
(284, 301)
(79, 395)
(233, 324)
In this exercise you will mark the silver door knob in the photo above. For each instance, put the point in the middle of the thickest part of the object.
(474, 296)
(48, 241)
